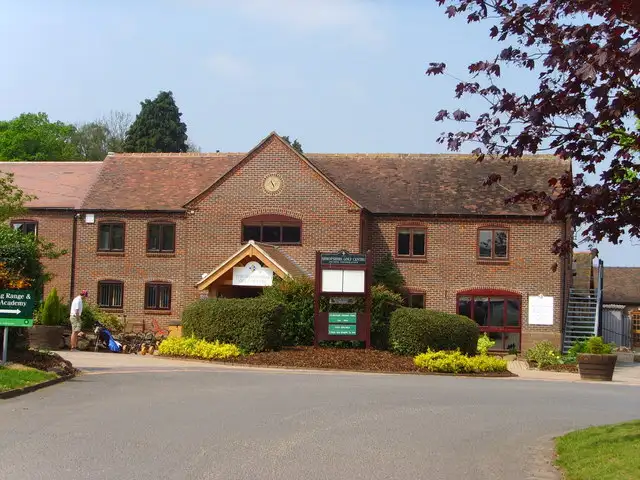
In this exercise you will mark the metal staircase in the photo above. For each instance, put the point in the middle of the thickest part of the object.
(583, 312)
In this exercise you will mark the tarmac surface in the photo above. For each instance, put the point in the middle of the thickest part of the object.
(150, 418)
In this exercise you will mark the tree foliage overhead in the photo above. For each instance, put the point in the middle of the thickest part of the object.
(95, 139)
(32, 137)
(587, 56)
(296, 145)
(158, 127)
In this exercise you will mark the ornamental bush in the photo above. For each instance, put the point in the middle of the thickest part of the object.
(253, 324)
(415, 330)
(456, 362)
(484, 344)
(543, 354)
(52, 311)
(194, 348)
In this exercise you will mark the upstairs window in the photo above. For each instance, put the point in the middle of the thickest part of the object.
(110, 293)
(111, 237)
(272, 229)
(157, 296)
(161, 237)
(26, 226)
(493, 244)
(411, 242)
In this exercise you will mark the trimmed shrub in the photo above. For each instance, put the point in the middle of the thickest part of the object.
(456, 362)
(194, 348)
(383, 303)
(296, 297)
(91, 313)
(52, 313)
(415, 330)
(386, 273)
(253, 324)
(543, 354)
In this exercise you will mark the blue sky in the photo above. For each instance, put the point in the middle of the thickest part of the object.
(339, 75)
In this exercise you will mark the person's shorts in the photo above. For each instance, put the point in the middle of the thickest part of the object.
(76, 323)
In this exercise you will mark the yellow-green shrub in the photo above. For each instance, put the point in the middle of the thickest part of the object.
(456, 362)
(195, 348)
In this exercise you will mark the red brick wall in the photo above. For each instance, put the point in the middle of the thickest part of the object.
(329, 220)
(451, 265)
(57, 228)
(134, 267)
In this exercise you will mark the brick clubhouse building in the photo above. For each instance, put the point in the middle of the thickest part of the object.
(147, 234)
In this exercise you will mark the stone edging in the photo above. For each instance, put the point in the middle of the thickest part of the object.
(32, 388)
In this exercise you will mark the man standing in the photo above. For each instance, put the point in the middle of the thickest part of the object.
(76, 322)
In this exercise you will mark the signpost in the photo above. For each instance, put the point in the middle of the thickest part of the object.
(16, 310)
(342, 277)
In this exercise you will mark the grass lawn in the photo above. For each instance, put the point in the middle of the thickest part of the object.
(601, 453)
(11, 378)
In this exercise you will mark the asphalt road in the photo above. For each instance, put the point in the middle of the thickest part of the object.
(214, 423)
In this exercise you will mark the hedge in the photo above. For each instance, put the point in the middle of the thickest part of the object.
(253, 324)
(414, 330)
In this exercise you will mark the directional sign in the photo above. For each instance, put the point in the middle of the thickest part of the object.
(16, 304)
(339, 317)
(16, 322)
(340, 329)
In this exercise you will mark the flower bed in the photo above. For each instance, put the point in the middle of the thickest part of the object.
(194, 348)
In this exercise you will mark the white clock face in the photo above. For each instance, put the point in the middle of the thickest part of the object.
(272, 183)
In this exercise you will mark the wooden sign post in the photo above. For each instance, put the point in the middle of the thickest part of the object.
(342, 276)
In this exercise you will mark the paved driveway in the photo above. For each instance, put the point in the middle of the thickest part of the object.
(193, 421)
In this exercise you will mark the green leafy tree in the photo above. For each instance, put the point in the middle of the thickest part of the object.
(95, 139)
(12, 199)
(296, 145)
(387, 273)
(32, 137)
(158, 127)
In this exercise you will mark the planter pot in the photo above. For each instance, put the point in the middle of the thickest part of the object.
(45, 336)
(596, 367)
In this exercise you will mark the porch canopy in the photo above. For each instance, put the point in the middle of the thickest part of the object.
(249, 270)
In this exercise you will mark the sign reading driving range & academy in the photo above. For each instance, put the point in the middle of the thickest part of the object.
(16, 308)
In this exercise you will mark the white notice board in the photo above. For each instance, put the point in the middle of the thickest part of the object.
(540, 310)
(343, 281)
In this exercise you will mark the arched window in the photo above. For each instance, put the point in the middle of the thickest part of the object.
(497, 312)
(272, 229)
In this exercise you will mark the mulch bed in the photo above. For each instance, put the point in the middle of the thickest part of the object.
(567, 368)
(46, 361)
(339, 359)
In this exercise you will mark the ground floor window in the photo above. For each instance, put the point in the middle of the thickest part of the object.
(496, 312)
(157, 296)
(414, 300)
(26, 227)
(110, 293)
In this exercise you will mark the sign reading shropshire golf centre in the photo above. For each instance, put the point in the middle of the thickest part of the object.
(16, 308)
(343, 258)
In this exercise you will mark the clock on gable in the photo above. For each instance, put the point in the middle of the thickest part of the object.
(272, 184)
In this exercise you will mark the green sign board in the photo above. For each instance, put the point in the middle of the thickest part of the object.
(335, 317)
(16, 306)
(342, 329)
(343, 259)
(16, 322)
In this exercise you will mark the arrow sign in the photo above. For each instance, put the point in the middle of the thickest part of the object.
(15, 312)
(16, 304)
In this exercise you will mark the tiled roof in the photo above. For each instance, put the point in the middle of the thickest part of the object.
(621, 285)
(142, 181)
(55, 184)
(284, 260)
(436, 184)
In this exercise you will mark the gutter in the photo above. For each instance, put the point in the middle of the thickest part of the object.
(73, 256)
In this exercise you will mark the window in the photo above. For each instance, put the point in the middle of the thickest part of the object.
(272, 229)
(111, 237)
(497, 313)
(157, 296)
(411, 242)
(415, 300)
(110, 294)
(161, 237)
(492, 244)
(26, 226)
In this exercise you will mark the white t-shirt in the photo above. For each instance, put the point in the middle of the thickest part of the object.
(76, 305)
